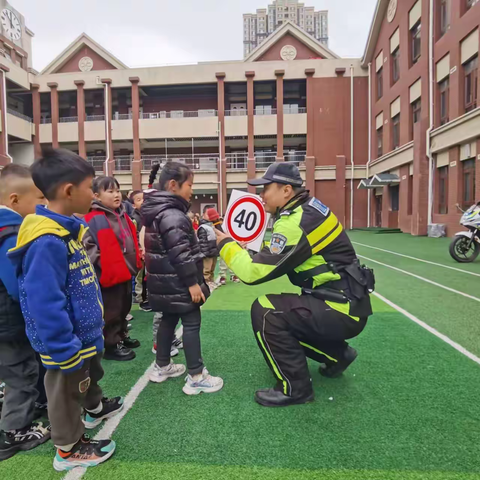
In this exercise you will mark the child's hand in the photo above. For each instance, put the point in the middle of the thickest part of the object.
(196, 294)
(221, 236)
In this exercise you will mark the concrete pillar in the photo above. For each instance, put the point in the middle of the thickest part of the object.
(137, 154)
(420, 180)
(36, 119)
(251, 166)
(55, 113)
(310, 157)
(279, 74)
(108, 128)
(340, 186)
(386, 207)
(454, 180)
(403, 218)
(82, 149)
(222, 163)
(4, 159)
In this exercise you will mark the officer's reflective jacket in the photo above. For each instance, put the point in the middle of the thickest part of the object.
(306, 236)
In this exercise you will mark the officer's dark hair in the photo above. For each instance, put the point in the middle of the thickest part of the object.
(171, 171)
(57, 167)
(103, 183)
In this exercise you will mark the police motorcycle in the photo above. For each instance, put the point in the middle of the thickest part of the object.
(465, 246)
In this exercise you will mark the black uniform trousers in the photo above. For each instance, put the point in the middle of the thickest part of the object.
(288, 328)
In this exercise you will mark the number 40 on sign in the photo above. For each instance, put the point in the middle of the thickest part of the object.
(246, 219)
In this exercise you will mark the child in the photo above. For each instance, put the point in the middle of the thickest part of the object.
(112, 246)
(19, 367)
(208, 246)
(217, 222)
(175, 276)
(61, 303)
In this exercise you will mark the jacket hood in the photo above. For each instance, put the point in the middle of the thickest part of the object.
(9, 217)
(100, 207)
(156, 202)
(45, 222)
(205, 222)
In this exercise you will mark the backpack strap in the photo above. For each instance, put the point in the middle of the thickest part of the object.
(8, 231)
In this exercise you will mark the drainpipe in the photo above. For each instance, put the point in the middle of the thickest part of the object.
(351, 146)
(431, 113)
(369, 197)
(107, 133)
(5, 127)
(219, 166)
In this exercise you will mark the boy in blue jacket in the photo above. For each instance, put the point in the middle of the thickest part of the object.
(62, 306)
(19, 367)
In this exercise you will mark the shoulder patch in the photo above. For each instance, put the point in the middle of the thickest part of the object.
(278, 243)
(318, 205)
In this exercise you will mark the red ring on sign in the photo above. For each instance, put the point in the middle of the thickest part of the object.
(257, 233)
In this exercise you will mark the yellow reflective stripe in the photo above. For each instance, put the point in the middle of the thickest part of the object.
(329, 239)
(275, 369)
(60, 363)
(324, 229)
(342, 308)
(318, 351)
(89, 349)
(84, 357)
(81, 354)
(265, 302)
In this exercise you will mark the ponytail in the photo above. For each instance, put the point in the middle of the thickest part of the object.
(153, 175)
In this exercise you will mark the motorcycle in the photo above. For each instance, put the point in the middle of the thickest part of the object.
(465, 246)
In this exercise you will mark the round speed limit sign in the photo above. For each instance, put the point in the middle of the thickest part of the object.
(245, 219)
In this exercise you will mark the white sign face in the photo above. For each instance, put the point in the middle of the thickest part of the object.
(246, 219)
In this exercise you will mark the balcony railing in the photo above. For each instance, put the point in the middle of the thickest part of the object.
(265, 111)
(264, 159)
(237, 161)
(201, 162)
(19, 115)
(179, 114)
(123, 162)
(293, 109)
(45, 121)
(122, 116)
(236, 113)
(297, 157)
(68, 119)
(97, 162)
(95, 118)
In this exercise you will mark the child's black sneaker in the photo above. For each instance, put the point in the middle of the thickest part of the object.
(85, 453)
(130, 342)
(145, 306)
(22, 440)
(119, 353)
(110, 407)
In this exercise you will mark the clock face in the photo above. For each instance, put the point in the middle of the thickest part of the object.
(11, 25)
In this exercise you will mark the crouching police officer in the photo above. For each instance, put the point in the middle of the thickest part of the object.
(310, 246)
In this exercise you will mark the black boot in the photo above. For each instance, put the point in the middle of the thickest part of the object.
(335, 370)
(269, 397)
(119, 353)
(130, 342)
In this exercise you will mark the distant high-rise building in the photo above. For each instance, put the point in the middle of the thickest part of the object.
(257, 27)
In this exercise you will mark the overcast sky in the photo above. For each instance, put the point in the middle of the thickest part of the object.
(159, 32)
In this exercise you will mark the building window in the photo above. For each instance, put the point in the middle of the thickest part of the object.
(444, 17)
(443, 190)
(410, 195)
(470, 3)
(444, 90)
(471, 84)
(394, 197)
(396, 65)
(379, 142)
(416, 36)
(468, 183)
(380, 84)
(396, 131)
(416, 113)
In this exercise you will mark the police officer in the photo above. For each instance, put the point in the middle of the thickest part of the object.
(310, 246)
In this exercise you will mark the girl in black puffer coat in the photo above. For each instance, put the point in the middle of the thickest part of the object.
(175, 275)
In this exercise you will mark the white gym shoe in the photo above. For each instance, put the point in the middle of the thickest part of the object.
(160, 374)
(207, 384)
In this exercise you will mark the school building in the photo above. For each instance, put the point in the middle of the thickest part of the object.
(389, 140)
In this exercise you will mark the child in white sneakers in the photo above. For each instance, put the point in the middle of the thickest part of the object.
(175, 276)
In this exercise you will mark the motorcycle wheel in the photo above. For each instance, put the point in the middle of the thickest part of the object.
(461, 252)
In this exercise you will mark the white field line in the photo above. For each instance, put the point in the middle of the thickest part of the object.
(111, 424)
(430, 329)
(466, 295)
(418, 259)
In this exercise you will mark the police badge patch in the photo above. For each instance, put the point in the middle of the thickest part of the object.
(278, 243)
(318, 205)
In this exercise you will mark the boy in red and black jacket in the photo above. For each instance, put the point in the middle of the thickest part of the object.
(112, 246)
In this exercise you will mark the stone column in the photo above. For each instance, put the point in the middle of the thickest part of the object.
(222, 162)
(386, 207)
(420, 180)
(4, 159)
(82, 150)
(310, 158)
(339, 208)
(108, 128)
(403, 220)
(251, 166)
(279, 74)
(36, 119)
(55, 113)
(137, 154)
